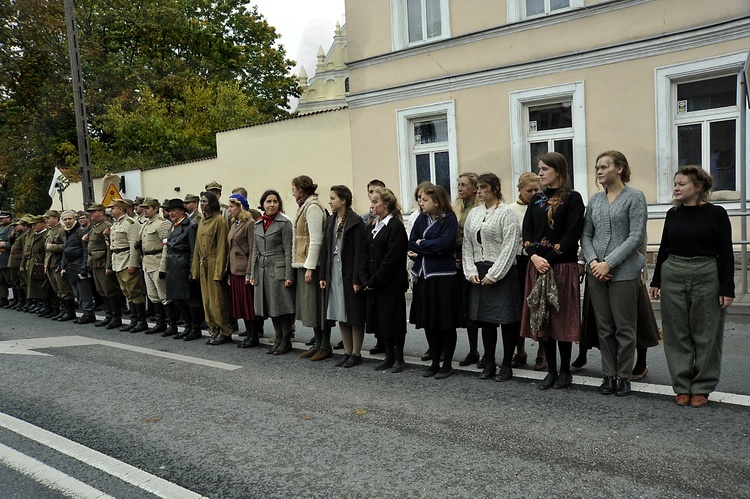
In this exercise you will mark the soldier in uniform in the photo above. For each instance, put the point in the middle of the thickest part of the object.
(54, 246)
(100, 263)
(124, 235)
(5, 282)
(191, 206)
(23, 272)
(154, 235)
(215, 188)
(37, 285)
(17, 238)
(84, 219)
(136, 211)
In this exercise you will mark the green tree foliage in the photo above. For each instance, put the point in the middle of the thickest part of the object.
(161, 78)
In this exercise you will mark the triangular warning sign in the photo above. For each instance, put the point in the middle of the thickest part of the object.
(112, 194)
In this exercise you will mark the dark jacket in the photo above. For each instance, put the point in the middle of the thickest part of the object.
(180, 247)
(436, 252)
(352, 253)
(75, 253)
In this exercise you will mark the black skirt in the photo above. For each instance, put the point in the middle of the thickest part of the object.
(500, 303)
(436, 303)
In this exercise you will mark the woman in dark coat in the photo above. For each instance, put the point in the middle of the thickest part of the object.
(340, 264)
(386, 280)
(181, 289)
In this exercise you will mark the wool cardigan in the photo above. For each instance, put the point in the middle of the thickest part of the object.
(500, 235)
(614, 232)
(437, 249)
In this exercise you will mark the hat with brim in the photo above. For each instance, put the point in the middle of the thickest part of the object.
(38, 219)
(4, 214)
(96, 207)
(51, 213)
(192, 198)
(174, 204)
(213, 186)
(153, 203)
(82, 214)
(119, 203)
(138, 200)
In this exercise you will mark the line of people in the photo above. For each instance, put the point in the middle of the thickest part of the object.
(479, 264)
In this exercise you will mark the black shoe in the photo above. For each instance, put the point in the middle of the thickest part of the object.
(427, 356)
(69, 315)
(504, 374)
(140, 327)
(398, 366)
(482, 362)
(430, 371)
(310, 342)
(623, 387)
(214, 335)
(86, 319)
(103, 322)
(608, 386)
(339, 345)
(548, 382)
(342, 360)
(384, 364)
(488, 372)
(193, 335)
(377, 349)
(221, 339)
(471, 358)
(354, 360)
(563, 381)
(115, 323)
(158, 328)
(444, 373)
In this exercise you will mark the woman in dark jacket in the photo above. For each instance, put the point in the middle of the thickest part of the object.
(73, 266)
(386, 280)
(181, 289)
(436, 304)
(340, 264)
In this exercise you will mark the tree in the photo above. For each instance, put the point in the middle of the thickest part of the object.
(161, 78)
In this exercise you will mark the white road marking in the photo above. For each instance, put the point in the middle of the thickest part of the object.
(123, 471)
(27, 347)
(48, 476)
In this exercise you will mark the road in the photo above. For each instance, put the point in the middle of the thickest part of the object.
(224, 422)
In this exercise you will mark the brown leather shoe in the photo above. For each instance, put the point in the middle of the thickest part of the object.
(308, 353)
(541, 364)
(321, 355)
(698, 401)
(682, 399)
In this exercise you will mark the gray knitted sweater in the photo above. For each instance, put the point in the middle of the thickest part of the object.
(614, 232)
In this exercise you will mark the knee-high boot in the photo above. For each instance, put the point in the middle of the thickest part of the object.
(133, 318)
(286, 336)
(161, 323)
(141, 324)
(398, 354)
(171, 312)
(195, 320)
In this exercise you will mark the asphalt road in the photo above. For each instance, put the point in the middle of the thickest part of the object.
(287, 427)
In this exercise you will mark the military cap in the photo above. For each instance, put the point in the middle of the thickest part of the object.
(51, 213)
(37, 219)
(130, 202)
(138, 200)
(81, 213)
(4, 214)
(16, 222)
(120, 203)
(192, 198)
(26, 219)
(96, 207)
(213, 185)
(175, 203)
(164, 204)
(154, 203)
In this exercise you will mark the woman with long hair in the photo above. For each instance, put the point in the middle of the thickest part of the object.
(528, 185)
(491, 238)
(613, 232)
(340, 266)
(466, 201)
(385, 278)
(551, 230)
(695, 274)
(210, 268)
(271, 275)
(436, 303)
(240, 237)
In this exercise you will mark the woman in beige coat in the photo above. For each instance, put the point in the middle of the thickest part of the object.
(241, 225)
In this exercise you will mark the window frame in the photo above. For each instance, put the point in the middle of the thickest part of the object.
(405, 119)
(400, 25)
(522, 100)
(666, 79)
(516, 10)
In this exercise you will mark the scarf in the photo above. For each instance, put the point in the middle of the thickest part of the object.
(542, 298)
(267, 221)
(521, 201)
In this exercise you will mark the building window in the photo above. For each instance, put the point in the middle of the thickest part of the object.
(427, 149)
(549, 119)
(518, 10)
(697, 121)
(418, 21)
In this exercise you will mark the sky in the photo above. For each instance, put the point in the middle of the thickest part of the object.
(304, 25)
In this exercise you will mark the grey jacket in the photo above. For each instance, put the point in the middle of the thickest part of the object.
(615, 232)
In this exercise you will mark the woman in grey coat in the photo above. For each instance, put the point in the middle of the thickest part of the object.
(272, 276)
(614, 230)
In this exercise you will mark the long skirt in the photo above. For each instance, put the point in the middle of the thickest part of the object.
(311, 308)
(563, 324)
(436, 303)
(242, 298)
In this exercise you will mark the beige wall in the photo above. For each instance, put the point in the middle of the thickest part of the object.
(257, 158)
